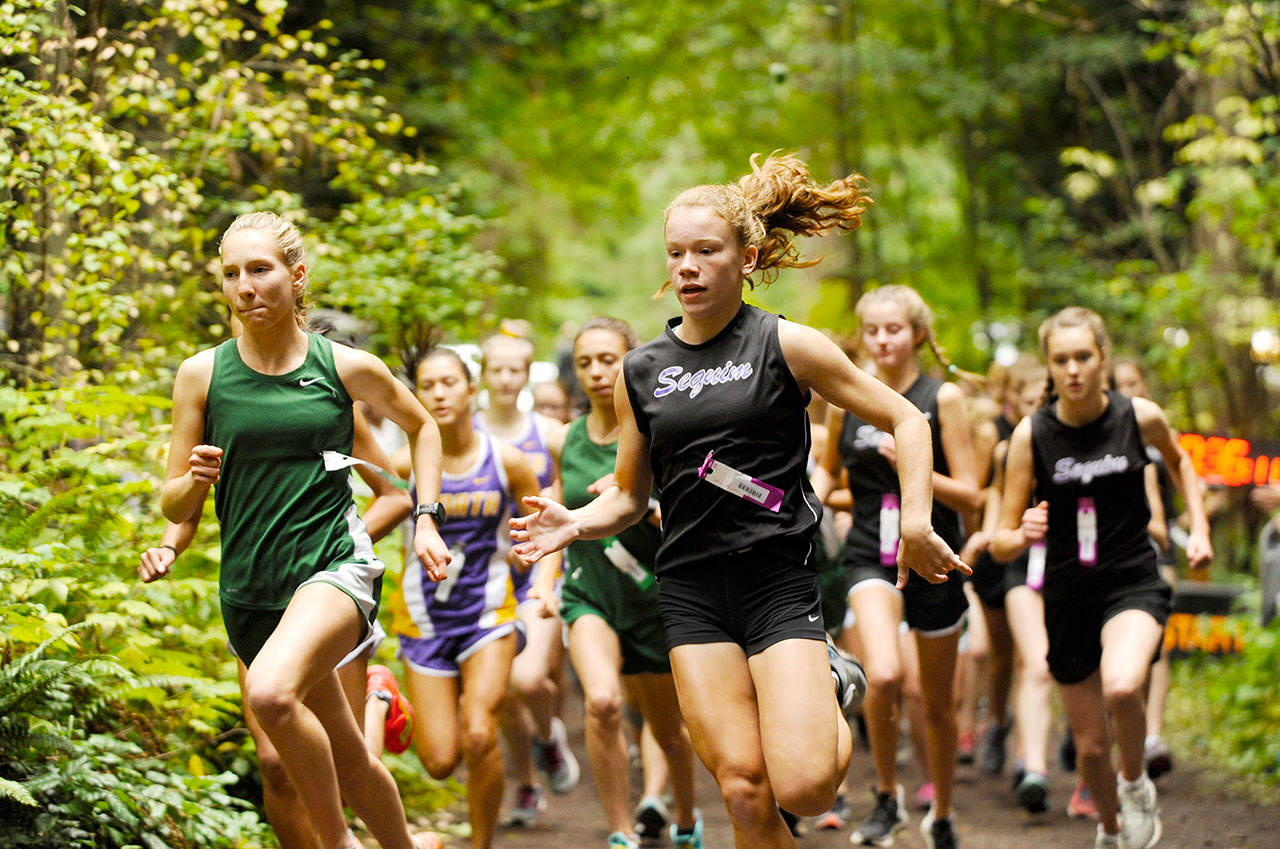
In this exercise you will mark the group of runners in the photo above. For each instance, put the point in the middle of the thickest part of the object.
(670, 538)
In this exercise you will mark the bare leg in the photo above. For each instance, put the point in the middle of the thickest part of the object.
(937, 671)
(285, 813)
(1129, 641)
(718, 699)
(1024, 610)
(597, 657)
(661, 708)
(879, 610)
(1086, 712)
(484, 683)
(293, 690)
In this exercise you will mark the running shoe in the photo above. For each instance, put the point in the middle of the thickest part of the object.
(1081, 806)
(651, 818)
(1032, 792)
(618, 840)
(924, 796)
(426, 840)
(380, 683)
(886, 818)
(524, 813)
(850, 677)
(1067, 752)
(1019, 773)
(836, 818)
(692, 838)
(1139, 814)
(991, 749)
(1158, 758)
(555, 760)
(966, 746)
(937, 833)
(1106, 841)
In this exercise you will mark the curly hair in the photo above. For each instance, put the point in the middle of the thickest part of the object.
(769, 207)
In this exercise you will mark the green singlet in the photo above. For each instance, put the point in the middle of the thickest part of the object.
(284, 518)
(612, 577)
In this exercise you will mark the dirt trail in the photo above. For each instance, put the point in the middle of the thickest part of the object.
(1195, 815)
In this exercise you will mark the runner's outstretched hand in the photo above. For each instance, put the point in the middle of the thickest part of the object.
(548, 529)
(929, 556)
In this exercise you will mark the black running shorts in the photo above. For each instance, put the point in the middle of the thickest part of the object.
(932, 610)
(1074, 623)
(754, 597)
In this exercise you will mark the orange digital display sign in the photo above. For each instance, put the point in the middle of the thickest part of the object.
(1228, 461)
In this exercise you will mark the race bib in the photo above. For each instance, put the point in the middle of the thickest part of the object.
(740, 484)
(1035, 565)
(1087, 531)
(890, 528)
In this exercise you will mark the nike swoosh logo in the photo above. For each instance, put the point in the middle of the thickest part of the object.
(307, 381)
(813, 618)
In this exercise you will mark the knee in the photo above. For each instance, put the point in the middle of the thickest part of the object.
(479, 737)
(807, 797)
(1123, 689)
(672, 738)
(270, 702)
(884, 683)
(604, 707)
(1091, 744)
(438, 762)
(746, 797)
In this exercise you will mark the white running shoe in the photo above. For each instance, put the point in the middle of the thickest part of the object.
(1106, 841)
(555, 760)
(1139, 814)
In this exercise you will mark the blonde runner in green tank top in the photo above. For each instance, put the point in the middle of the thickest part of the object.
(285, 517)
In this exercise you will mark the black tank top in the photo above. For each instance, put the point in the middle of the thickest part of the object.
(1092, 477)
(735, 395)
(873, 481)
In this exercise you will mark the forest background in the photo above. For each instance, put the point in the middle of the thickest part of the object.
(454, 162)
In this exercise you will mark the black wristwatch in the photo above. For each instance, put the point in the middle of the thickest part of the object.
(434, 509)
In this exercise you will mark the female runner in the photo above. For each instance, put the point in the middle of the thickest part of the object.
(895, 323)
(1105, 604)
(535, 734)
(610, 602)
(714, 412)
(458, 636)
(267, 417)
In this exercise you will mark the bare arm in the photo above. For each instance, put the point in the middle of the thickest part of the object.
(391, 505)
(818, 364)
(368, 379)
(156, 561)
(551, 527)
(958, 490)
(1156, 527)
(826, 475)
(1156, 431)
(192, 468)
(1019, 526)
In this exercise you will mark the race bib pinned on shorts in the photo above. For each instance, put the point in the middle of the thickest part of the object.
(740, 484)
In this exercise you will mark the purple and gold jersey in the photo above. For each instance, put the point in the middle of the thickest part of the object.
(533, 444)
(478, 592)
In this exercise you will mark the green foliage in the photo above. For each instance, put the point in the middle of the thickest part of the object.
(72, 779)
(1228, 708)
(124, 726)
(408, 266)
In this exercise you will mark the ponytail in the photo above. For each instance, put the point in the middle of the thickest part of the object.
(769, 207)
